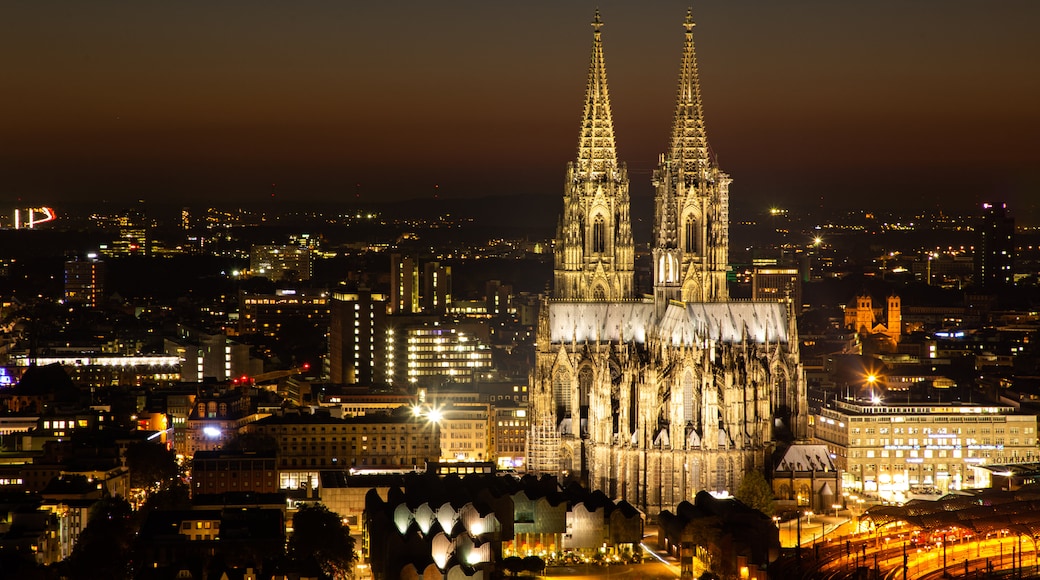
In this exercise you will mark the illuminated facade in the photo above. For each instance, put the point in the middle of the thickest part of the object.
(110, 371)
(290, 263)
(594, 250)
(310, 443)
(214, 356)
(436, 296)
(893, 449)
(509, 434)
(266, 313)
(228, 471)
(435, 352)
(357, 330)
(404, 285)
(215, 420)
(85, 281)
(995, 252)
(653, 399)
(466, 432)
(777, 284)
(861, 316)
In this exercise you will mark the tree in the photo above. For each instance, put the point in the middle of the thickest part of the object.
(755, 492)
(103, 548)
(320, 536)
(176, 496)
(152, 466)
(513, 564)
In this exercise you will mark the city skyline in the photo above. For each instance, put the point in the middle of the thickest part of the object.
(807, 103)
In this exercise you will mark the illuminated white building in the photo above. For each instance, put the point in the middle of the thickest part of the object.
(466, 432)
(421, 354)
(894, 449)
(113, 370)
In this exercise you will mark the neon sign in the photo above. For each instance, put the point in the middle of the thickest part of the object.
(34, 216)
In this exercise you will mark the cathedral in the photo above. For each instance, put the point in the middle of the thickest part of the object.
(654, 397)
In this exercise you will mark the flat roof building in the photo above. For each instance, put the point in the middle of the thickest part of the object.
(895, 449)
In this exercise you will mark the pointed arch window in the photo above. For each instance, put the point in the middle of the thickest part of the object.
(585, 377)
(689, 402)
(599, 235)
(690, 236)
(562, 394)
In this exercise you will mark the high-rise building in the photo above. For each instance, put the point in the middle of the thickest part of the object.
(404, 284)
(498, 298)
(357, 338)
(654, 399)
(210, 356)
(777, 284)
(85, 280)
(436, 296)
(995, 252)
(429, 350)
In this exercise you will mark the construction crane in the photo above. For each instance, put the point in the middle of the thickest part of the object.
(272, 375)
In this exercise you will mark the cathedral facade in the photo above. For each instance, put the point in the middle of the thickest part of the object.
(654, 397)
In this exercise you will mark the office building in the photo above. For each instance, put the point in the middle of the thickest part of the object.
(995, 252)
(357, 338)
(281, 263)
(85, 280)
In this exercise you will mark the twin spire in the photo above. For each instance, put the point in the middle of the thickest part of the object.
(597, 153)
(689, 145)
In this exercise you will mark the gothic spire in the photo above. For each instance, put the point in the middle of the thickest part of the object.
(596, 152)
(689, 146)
(667, 221)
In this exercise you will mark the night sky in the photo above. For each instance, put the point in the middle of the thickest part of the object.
(858, 104)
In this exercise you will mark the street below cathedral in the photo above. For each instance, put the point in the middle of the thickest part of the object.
(901, 553)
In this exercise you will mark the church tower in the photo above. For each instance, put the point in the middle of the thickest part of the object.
(691, 250)
(594, 250)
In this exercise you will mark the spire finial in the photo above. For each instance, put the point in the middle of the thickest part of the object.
(596, 22)
(688, 23)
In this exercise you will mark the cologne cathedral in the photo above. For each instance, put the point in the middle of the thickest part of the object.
(652, 398)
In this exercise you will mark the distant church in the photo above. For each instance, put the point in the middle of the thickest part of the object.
(861, 316)
(652, 398)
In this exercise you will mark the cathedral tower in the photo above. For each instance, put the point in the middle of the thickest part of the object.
(651, 401)
(594, 250)
(691, 245)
